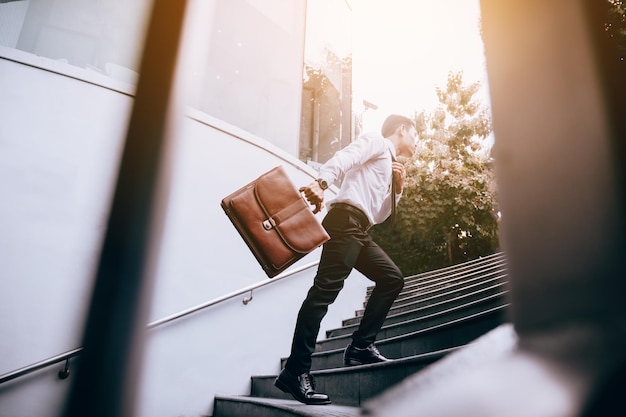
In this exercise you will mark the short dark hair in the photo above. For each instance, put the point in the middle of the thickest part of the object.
(394, 121)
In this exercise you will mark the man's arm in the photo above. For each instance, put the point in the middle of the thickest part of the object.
(357, 152)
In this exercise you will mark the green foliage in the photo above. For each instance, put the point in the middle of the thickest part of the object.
(448, 210)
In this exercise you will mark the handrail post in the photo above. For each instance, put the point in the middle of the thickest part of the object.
(65, 372)
(247, 299)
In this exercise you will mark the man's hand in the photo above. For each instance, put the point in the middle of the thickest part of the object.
(314, 195)
(399, 174)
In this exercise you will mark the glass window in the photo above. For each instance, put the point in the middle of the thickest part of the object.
(252, 76)
(326, 118)
(105, 36)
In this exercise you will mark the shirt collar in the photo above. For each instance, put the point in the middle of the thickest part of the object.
(392, 149)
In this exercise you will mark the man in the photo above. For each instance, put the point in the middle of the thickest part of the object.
(368, 167)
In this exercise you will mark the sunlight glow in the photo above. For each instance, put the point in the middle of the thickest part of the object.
(404, 49)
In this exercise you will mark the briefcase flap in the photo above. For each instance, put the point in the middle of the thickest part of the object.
(287, 212)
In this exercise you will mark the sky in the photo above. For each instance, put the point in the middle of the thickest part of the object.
(404, 49)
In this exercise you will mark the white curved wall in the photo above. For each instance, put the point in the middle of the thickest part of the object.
(58, 158)
(61, 133)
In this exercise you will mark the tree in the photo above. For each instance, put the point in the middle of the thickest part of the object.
(448, 212)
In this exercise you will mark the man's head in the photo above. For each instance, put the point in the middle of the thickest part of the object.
(401, 131)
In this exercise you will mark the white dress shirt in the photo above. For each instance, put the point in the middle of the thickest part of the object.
(365, 166)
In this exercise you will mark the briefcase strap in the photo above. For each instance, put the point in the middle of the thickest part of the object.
(284, 214)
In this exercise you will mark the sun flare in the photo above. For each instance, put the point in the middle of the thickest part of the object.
(403, 50)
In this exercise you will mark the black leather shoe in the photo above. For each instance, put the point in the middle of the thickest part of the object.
(355, 356)
(301, 387)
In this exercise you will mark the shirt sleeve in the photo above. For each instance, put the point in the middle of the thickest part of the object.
(356, 153)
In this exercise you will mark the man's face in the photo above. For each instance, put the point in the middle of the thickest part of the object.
(408, 142)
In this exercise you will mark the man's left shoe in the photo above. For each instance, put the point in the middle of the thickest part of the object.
(301, 387)
(355, 356)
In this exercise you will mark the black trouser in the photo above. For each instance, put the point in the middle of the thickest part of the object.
(349, 247)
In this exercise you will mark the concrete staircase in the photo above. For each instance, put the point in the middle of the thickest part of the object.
(437, 312)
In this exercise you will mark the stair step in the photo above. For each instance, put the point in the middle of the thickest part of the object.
(439, 299)
(469, 265)
(244, 406)
(450, 273)
(415, 310)
(439, 337)
(446, 280)
(354, 385)
(445, 285)
(456, 289)
(420, 318)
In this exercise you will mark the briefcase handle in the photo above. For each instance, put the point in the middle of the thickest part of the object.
(317, 206)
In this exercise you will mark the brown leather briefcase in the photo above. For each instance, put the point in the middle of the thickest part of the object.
(274, 220)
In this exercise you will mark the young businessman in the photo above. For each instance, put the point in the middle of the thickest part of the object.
(368, 167)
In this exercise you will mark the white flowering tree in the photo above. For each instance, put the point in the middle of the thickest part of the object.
(448, 213)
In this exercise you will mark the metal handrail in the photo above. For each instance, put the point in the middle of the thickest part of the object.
(39, 365)
(244, 290)
(72, 353)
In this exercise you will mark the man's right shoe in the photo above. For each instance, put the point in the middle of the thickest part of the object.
(301, 387)
(355, 356)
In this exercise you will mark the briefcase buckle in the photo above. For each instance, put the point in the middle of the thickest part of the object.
(269, 224)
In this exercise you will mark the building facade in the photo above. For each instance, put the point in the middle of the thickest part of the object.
(260, 88)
